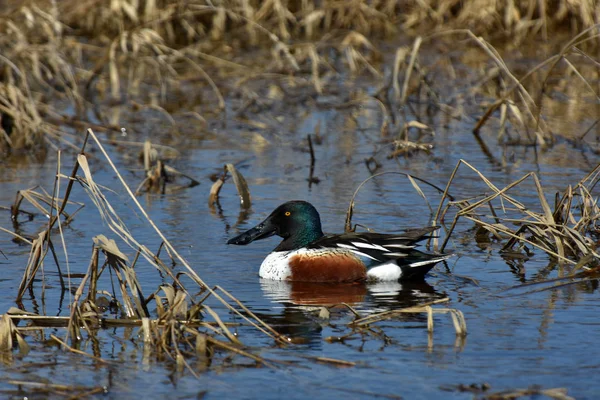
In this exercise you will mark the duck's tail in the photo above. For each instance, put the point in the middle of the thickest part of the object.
(411, 268)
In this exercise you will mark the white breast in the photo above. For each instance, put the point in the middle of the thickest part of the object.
(275, 266)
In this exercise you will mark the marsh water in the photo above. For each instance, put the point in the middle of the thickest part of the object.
(515, 340)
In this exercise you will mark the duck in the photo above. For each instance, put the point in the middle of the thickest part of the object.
(306, 254)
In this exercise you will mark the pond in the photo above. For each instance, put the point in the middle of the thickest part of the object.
(515, 340)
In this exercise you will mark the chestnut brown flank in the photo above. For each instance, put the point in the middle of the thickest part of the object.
(344, 267)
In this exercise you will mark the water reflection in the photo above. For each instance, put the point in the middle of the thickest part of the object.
(313, 293)
(394, 295)
(301, 301)
(386, 295)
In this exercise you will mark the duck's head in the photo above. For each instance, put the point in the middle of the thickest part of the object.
(297, 222)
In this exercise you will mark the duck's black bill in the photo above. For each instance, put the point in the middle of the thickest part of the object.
(260, 231)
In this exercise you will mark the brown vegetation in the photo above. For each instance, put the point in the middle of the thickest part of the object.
(64, 61)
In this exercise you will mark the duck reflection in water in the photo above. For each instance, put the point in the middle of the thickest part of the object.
(301, 302)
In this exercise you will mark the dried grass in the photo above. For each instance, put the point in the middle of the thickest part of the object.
(169, 335)
(412, 179)
(458, 319)
(61, 60)
(512, 19)
(566, 231)
(8, 333)
(160, 177)
(46, 389)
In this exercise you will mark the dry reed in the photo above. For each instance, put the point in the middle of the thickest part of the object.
(566, 231)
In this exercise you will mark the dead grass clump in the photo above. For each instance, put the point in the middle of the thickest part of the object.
(63, 61)
(9, 337)
(365, 326)
(160, 177)
(181, 21)
(517, 105)
(19, 116)
(42, 200)
(181, 328)
(567, 230)
(458, 319)
(35, 71)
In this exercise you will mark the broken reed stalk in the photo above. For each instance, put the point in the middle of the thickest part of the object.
(56, 190)
(411, 65)
(511, 394)
(37, 256)
(457, 316)
(329, 360)
(223, 327)
(311, 178)
(9, 332)
(240, 184)
(59, 390)
(158, 174)
(312, 154)
(75, 320)
(77, 351)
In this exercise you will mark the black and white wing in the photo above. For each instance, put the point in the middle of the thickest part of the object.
(378, 246)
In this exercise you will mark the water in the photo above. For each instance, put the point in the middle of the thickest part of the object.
(546, 338)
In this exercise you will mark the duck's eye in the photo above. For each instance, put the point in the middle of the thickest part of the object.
(287, 213)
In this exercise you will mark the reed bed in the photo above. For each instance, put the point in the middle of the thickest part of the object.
(64, 61)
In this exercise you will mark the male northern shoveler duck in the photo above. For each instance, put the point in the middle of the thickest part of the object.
(306, 254)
